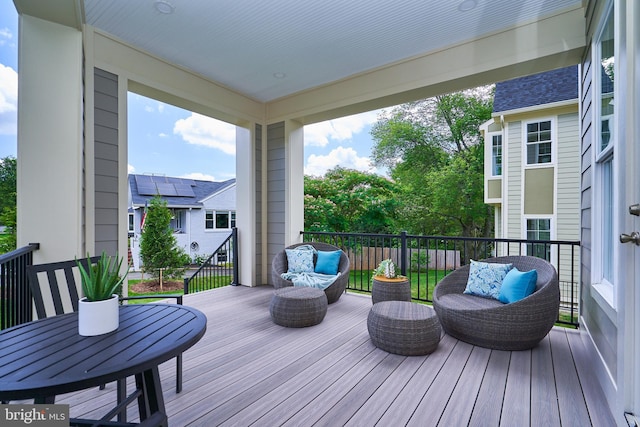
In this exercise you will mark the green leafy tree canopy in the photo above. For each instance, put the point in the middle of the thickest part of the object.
(347, 200)
(8, 192)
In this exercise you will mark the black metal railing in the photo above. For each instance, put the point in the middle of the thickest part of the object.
(220, 269)
(425, 260)
(15, 296)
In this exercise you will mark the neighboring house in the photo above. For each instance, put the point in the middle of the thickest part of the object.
(204, 212)
(532, 164)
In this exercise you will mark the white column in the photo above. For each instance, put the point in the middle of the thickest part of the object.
(246, 203)
(50, 139)
(294, 181)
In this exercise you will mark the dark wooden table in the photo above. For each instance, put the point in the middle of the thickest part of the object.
(45, 358)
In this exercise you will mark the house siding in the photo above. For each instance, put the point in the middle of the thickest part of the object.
(275, 189)
(259, 279)
(602, 329)
(106, 161)
(568, 196)
(513, 196)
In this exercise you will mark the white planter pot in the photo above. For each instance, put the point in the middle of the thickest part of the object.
(98, 317)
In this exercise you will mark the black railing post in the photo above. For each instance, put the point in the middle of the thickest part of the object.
(234, 245)
(403, 253)
(186, 285)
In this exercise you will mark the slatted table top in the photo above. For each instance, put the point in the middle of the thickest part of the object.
(48, 357)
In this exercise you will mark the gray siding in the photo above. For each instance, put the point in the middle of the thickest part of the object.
(258, 185)
(106, 161)
(275, 189)
(603, 332)
(513, 196)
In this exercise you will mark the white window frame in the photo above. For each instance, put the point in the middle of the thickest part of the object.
(131, 224)
(490, 137)
(212, 220)
(601, 254)
(525, 144)
(553, 252)
(231, 219)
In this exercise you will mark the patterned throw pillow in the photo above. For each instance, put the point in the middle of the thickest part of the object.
(485, 279)
(299, 261)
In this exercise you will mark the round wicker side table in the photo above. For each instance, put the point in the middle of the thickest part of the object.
(383, 289)
(404, 328)
(298, 307)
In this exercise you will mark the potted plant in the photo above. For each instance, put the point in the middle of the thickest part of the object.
(98, 310)
(388, 285)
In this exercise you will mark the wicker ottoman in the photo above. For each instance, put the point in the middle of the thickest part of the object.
(404, 328)
(297, 307)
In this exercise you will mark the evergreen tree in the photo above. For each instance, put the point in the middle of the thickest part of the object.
(158, 245)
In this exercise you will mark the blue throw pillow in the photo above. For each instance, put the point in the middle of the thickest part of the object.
(485, 278)
(328, 262)
(517, 285)
(299, 261)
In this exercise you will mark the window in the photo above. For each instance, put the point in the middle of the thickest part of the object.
(539, 142)
(539, 229)
(496, 150)
(219, 220)
(222, 219)
(131, 230)
(208, 220)
(605, 143)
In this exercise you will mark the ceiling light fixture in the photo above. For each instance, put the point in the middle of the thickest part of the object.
(279, 75)
(467, 5)
(164, 7)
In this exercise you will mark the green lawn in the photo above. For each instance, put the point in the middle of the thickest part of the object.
(422, 284)
(198, 284)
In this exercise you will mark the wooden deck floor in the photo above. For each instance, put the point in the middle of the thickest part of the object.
(248, 371)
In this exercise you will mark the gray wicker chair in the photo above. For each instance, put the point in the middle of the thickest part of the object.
(279, 265)
(489, 323)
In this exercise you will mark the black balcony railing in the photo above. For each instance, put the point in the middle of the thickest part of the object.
(425, 260)
(220, 269)
(15, 295)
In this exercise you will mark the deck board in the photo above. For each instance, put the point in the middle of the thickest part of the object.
(248, 371)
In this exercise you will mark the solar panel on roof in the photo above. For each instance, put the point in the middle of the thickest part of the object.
(143, 179)
(184, 190)
(165, 189)
(147, 189)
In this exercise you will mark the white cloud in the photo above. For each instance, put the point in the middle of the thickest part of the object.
(8, 100)
(5, 35)
(345, 157)
(202, 130)
(341, 129)
(163, 135)
(149, 109)
(130, 169)
(199, 176)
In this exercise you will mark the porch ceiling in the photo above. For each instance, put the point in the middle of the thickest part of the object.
(273, 49)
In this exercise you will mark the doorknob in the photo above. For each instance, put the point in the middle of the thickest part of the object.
(633, 237)
(635, 209)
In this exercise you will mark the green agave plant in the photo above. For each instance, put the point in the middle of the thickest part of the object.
(386, 268)
(101, 280)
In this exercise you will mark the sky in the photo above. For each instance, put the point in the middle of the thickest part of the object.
(167, 140)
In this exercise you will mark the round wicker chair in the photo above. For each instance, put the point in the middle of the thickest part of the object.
(333, 292)
(489, 323)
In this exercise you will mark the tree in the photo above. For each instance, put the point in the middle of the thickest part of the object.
(158, 245)
(8, 191)
(347, 200)
(435, 155)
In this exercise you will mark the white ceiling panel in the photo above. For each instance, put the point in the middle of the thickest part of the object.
(271, 49)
